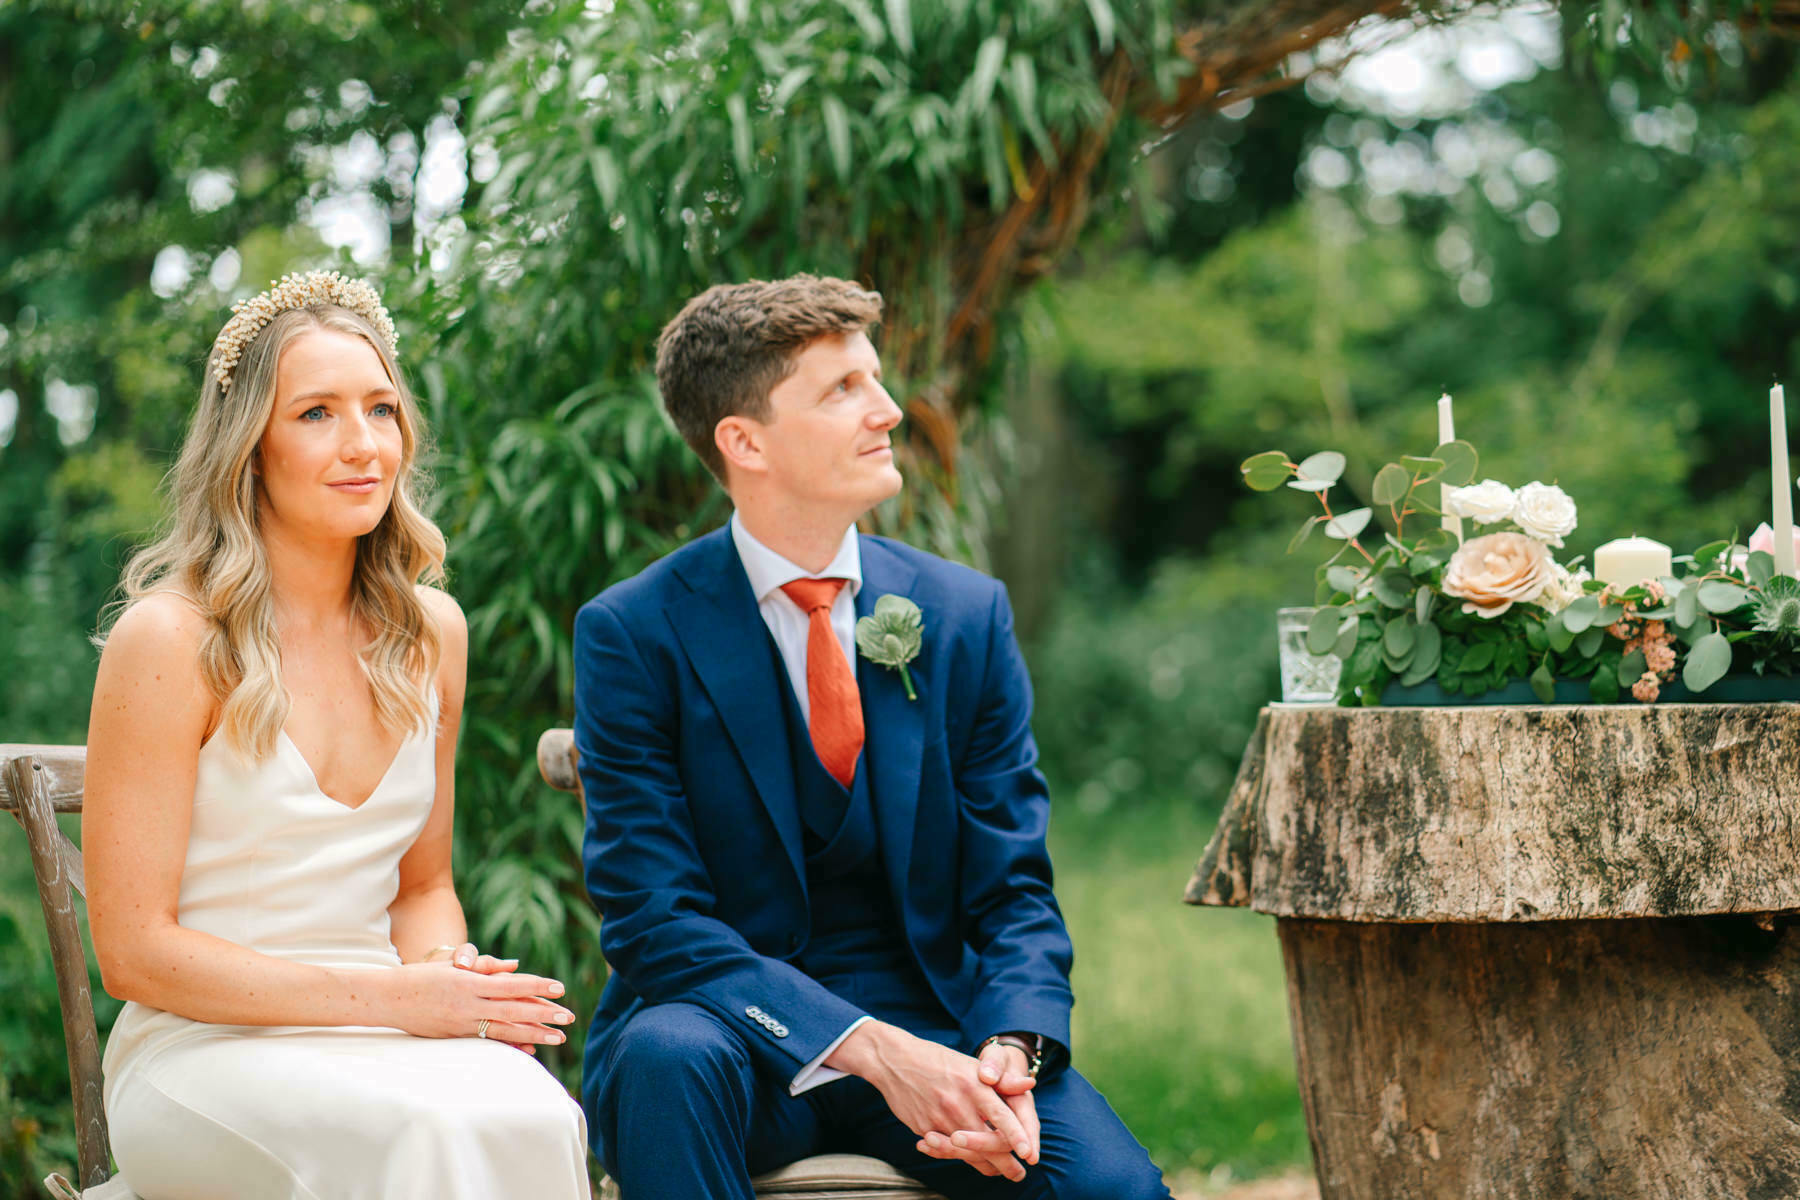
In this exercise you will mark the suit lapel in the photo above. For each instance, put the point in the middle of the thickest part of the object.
(727, 642)
(894, 727)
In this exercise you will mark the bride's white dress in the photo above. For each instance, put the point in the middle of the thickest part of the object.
(208, 1112)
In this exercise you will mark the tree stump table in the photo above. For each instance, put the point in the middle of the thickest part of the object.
(1532, 951)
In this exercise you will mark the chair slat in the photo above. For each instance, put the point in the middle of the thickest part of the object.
(30, 787)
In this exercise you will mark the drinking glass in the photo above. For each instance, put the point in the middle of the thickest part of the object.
(1306, 678)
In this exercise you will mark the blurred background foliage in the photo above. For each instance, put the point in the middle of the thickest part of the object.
(1581, 220)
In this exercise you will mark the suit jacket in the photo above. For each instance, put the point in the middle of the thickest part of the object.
(693, 845)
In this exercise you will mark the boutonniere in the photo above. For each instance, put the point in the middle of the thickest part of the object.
(892, 635)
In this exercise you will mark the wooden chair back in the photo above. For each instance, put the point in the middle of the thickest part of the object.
(823, 1177)
(36, 783)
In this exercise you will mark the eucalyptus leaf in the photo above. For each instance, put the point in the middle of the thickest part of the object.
(1327, 465)
(1322, 630)
(1427, 655)
(1480, 655)
(1347, 525)
(1304, 532)
(1423, 600)
(1346, 640)
(1391, 484)
(1393, 587)
(1343, 579)
(1424, 468)
(1266, 471)
(1631, 668)
(1560, 636)
(1581, 613)
(1400, 636)
(1718, 596)
(1589, 641)
(1707, 662)
(1709, 554)
(1310, 485)
(1543, 683)
(1687, 606)
(1760, 567)
(1460, 461)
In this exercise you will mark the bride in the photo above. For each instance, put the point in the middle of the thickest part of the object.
(267, 821)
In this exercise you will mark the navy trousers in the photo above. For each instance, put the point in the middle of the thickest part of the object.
(682, 1113)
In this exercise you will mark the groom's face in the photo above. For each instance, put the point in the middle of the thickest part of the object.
(827, 438)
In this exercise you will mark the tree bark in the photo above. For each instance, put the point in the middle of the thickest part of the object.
(1647, 1059)
(1532, 952)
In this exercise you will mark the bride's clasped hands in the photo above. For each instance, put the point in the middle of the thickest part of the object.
(478, 996)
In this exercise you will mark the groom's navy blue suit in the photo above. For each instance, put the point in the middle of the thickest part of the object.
(753, 908)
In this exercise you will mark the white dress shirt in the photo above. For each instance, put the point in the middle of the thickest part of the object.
(789, 626)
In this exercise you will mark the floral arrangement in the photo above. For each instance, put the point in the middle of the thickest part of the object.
(1419, 603)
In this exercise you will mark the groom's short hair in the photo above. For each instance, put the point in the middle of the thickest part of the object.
(729, 347)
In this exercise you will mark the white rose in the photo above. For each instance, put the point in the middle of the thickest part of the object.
(1486, 503)
(1564, 587)
(1545, 512)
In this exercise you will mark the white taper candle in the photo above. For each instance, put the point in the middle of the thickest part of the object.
(1447, 434)
(1784, 492)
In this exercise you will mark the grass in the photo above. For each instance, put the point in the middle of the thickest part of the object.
(1181, 1012)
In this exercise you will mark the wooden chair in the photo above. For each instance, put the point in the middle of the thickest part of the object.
(36, 783)
(824, 1177)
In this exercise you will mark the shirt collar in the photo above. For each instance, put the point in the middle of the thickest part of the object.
(768, 570)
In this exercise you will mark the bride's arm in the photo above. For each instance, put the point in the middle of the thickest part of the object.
(425, 913)
(150, 716)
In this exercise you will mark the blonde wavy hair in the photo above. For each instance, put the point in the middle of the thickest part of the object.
(212, 551)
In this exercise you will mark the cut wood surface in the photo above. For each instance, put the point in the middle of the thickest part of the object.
(1512, 813)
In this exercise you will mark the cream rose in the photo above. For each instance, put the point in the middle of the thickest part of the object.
(1496, 571)
(1564, 587)
(1486, 503)
(1544, 511)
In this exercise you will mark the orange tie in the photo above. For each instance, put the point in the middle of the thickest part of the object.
(836, 719)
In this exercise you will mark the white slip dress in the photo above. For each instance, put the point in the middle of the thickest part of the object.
(200, 1111)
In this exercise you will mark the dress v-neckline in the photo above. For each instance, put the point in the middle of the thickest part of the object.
(313, 776)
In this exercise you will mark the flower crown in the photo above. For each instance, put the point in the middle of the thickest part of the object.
(291, 292)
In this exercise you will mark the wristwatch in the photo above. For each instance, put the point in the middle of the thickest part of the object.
(1032, 1049)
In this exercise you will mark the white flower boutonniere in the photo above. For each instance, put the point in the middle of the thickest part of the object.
(891, 637)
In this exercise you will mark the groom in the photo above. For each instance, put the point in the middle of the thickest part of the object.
(824, 887)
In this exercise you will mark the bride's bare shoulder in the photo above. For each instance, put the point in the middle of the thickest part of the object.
(150, 673)
(164, 618)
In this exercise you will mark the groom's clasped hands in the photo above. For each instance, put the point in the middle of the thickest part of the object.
(977, 1110)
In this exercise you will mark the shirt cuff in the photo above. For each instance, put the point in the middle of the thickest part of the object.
(816, 1072)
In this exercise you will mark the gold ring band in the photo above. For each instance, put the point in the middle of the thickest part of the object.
(481, 1027)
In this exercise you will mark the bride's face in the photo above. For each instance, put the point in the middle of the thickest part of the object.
(328, 459)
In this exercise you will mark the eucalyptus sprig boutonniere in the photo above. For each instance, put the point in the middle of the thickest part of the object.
(892, 635)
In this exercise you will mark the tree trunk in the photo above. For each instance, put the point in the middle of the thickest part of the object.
(1532, 952)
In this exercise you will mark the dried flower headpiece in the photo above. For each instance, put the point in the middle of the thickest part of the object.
(291, 292)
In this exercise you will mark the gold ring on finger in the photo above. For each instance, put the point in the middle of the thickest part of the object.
(481, 1027)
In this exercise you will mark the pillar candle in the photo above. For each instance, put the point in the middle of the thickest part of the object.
(1447, 434)
(1625, 561)
(1784, 494)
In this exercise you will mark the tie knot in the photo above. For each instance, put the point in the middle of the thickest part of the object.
(814, 594)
